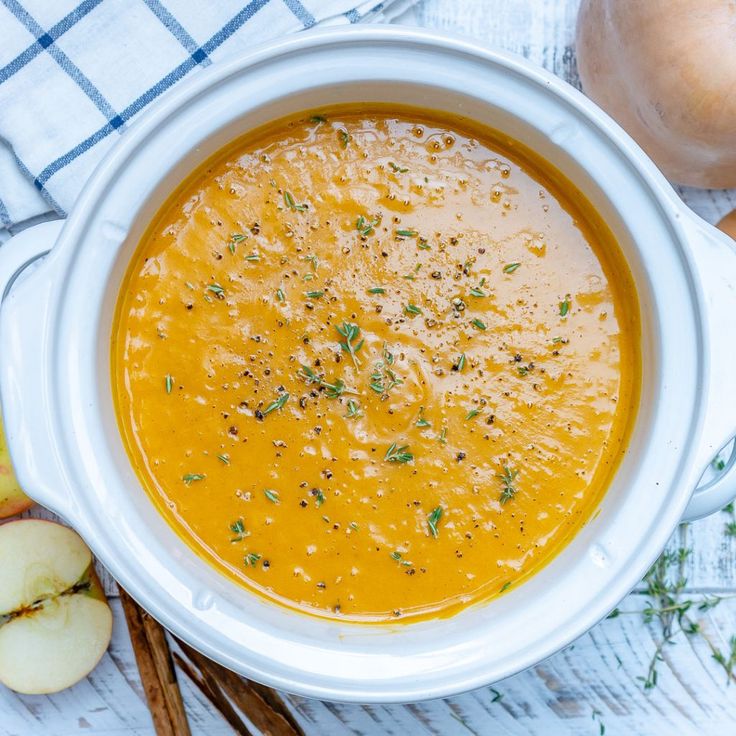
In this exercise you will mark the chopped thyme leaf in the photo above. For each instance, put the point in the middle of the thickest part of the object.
(251, 559)
(398, 169)
(224, 458)
(292, 205)
(350, 332)
(475, 291)
(557, 340)
(407, 233)
(565, 306)
(314, 294)
(169, 383)
(366, 227)
(396, 454)
(318, 119)
(216, 289)
(376, 290)
(523, 370)
(231, 247)
(353, 525)
(412, 309)
(443, 436)
(422, 244)
(459, 364)
(277, 404)
(238, 528)
(345, 137)
(399, 558)
(511, 267)
(421, 421)
(719, 463)
(237, 238)
(383, 378)
(472, 414)
(189, 285)
(508, 490)
(505, 586)
(272, 496)
(333, 389)
(479, 324)
(253, 258)
(280, 295)
(189, 478)
(433, 519)
(319, 496)
(353, 410)
(312, 260)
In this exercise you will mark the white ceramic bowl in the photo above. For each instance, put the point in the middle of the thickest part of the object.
(55, 345)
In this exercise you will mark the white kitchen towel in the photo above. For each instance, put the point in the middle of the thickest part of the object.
(74, 75)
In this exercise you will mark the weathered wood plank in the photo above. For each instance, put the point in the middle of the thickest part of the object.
(598, 674)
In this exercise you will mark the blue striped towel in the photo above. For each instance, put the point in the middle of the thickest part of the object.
(74, 75)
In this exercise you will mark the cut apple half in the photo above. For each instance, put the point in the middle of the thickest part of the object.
(55, 623)
(12, 499)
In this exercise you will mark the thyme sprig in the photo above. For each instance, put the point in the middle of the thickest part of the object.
(335, 389)
(507, 478)
(351, 333)
(384, 378)
(398, 454)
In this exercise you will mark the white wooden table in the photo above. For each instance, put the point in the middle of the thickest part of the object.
(589, 688)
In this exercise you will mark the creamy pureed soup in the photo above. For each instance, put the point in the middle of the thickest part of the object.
(377, 364)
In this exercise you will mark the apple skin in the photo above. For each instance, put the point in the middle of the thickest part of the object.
(728, 224)
(12, 499)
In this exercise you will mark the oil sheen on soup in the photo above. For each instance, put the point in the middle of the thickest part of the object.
(377, 364)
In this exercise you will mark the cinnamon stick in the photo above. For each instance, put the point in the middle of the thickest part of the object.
(263, 706)
(157, 671)
(211, 690)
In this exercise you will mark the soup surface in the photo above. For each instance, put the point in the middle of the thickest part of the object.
(377, 364)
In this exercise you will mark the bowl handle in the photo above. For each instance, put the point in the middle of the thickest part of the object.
(714, 258)
(24, 320)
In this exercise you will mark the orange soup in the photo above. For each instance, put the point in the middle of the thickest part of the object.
(377, 364)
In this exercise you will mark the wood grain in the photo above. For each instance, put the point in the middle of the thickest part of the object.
(592, 682)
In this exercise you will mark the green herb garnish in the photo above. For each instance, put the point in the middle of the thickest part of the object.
(412, 309)
(333, 389)
(407, 233)
(399, 558)
(460, 363)
(280, 295)
(224, 458)
(251, 559)
(253, 258)
(396, 454)
(169, 383)
(190, 478)
(314, 294)
(511, 267)
(216, 289)
(398, 169)
(318, 119)
(422, 422)
(479, 324)
(508, 490)
(376, 290)
(350, 332)
(238, 528)
(472, 414)
(477, 292)
(433, 519)
(276, 404)
(565, 306)
(366, 227)
(353, 410)
(272, 496)
(292, 205)
(345, 137)
(320, 497)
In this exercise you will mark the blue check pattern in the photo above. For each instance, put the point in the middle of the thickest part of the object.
(73, 75)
